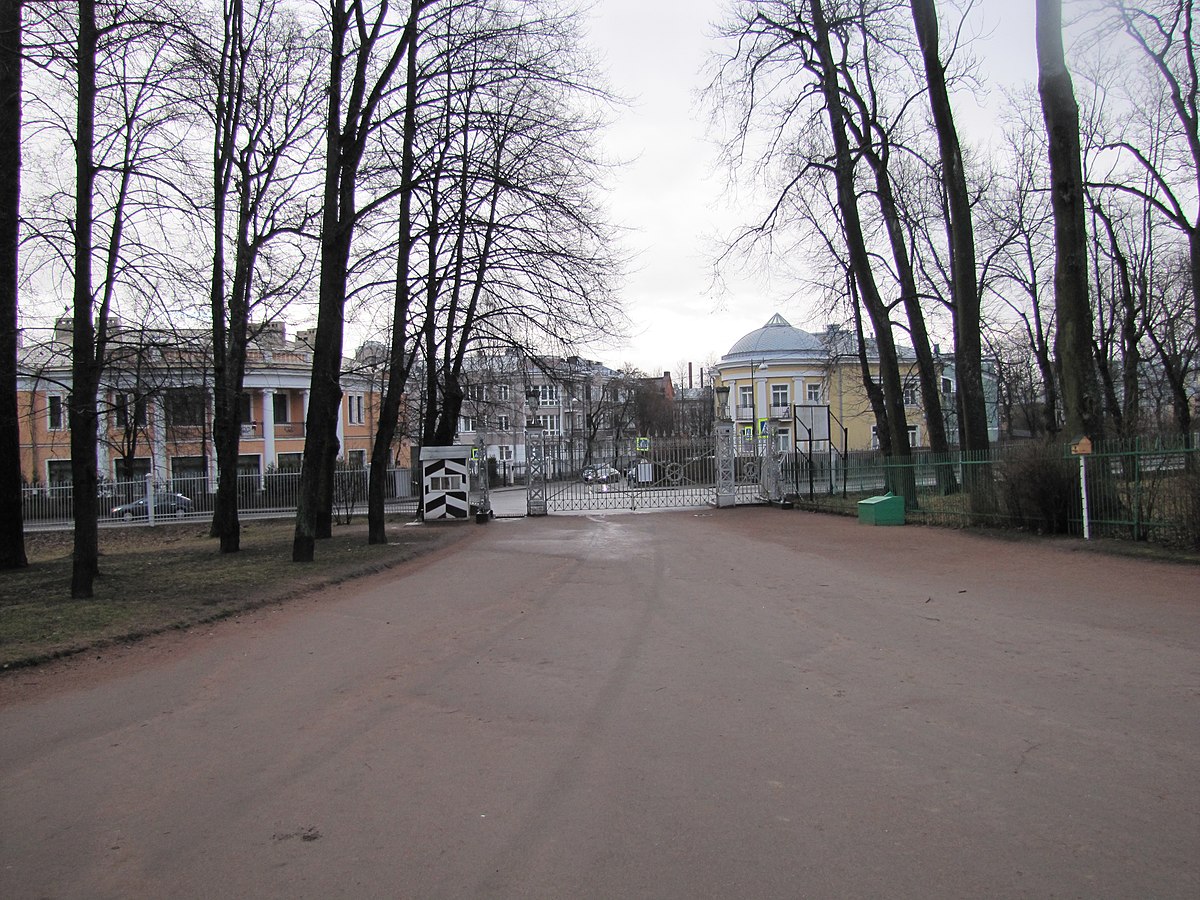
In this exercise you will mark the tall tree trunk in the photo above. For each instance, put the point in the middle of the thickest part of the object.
(346, 134)
(226, 383)
(883, 434)
(86, 355)
(1125, 409)
(860, 259)
(964, 282)
(1194, 269)
(1082, 408)
(12, 529)
(927, 376)
(399, 355)
(314, 506)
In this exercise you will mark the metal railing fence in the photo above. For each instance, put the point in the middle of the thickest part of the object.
(143, 501)
(1137, 490)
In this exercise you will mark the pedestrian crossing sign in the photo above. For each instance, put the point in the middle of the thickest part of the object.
(762, 428)
(643, 445)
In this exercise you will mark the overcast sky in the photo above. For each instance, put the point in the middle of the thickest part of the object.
(672, 196)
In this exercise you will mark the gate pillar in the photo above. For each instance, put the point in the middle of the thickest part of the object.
(726, 485)
(535, 470)
(770, 485)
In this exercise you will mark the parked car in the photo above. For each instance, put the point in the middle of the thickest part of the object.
(600, 475)
(164, 505)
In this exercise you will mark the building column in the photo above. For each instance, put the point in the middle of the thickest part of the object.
(210, 449)
(158, 439)
(341, 426)
(304, 413)
(268, 420)
(103, 456)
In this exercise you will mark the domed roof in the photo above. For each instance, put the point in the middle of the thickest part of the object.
(775, 339)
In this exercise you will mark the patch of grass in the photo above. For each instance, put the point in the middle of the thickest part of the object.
(173, 576)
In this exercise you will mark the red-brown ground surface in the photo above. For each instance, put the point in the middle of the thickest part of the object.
(734, 703)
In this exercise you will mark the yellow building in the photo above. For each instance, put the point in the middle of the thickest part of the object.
(776, 368)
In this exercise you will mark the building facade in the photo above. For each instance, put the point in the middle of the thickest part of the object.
(771, 370)
(156, 408)
(588, 412)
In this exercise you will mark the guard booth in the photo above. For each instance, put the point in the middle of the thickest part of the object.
(445, 482)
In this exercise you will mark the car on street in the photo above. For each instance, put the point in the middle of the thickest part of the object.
(164, 505)
(600, 475)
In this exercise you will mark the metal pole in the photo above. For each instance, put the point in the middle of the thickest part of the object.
(1087, 533)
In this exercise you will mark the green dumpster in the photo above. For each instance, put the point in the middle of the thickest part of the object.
(885, 510)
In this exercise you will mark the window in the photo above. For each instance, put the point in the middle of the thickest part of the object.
(746, 396)
(354, 409)
(912, 396)
(784, 444)
(247, 414)
(445, 483)
(476, 392)
(55, 413)
(465, 424)
(122, 404)
(504, 453)
(552, 424)
(282, 407)
(947, 387)
(548, 394)
(289, 462)
(189, 475)
(912, 437)
(502, 393)
(747, 438)
(357, 458)
(502, 423)
(779, 395)
(185, 406)
(249, 464)
(58, 471)
(813, 392)
(132, 469)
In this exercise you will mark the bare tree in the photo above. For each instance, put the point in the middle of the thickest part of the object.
(500, 243)
(1164, 33)
(360, 77)
(1018, 223)
(964, 282)
(257, 88)
(789, 66)
(1082, 406)
(113, 61)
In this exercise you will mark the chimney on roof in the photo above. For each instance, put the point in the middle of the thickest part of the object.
(272, 335)
(307, 338)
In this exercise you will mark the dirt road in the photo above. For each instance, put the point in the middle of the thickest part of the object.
(743, 703)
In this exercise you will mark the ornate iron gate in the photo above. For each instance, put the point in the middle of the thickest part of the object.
(655, 473)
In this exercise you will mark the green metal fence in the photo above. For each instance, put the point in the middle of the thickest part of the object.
(1138, 490)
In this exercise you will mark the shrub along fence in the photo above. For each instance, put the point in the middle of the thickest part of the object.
(1139, 490)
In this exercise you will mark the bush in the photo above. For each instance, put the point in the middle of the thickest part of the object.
(1039, 488)
(1191, 525)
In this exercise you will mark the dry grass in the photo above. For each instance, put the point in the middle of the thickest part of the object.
(154, 579)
